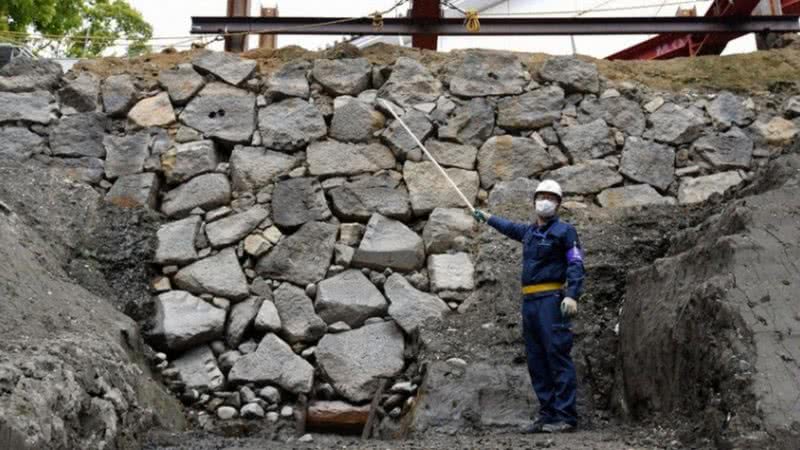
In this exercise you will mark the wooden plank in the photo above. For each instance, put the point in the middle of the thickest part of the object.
(373, 409)
(337, 416)
(300, 416)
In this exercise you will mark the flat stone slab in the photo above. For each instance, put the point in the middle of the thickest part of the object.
(219, 275)
(19, 142)
(125, 155)
(505, 158)
(532, 110)
(176, 241)
(349, 297)
(226, 66)
(587, 178)
(588, 141)
(356, 121)
(453, 272)
(675, 125)
(231, 229)
(648, 162)
(410, 83)
(206, 191)
(360, 199)
(410, 307)
(79, 135)
(290, 124)
(389, 243)
(274, 362)
(633, 195)
(696, 190)
(450, 154)
(181, 82)
(299, 321)
(182, 321)
(482, 73)
(428, 189)
(33, 107)
(472, 123)
(253, 168)
(153, 111)
(197, 369)
(135, 191)
(185, 161)
(343, 76)
(571, 73)
(303, 257)
(299, 200)
(448, 229)
(119, 95)
(222, 111)
(240, 319)
(331, 158)
(290, 81)
(730, 150)
(356, 360)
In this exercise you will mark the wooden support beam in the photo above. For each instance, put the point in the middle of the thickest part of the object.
(337, 417)
(373, 409)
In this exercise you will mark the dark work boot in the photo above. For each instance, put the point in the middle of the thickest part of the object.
(558, 427)
(537, 426)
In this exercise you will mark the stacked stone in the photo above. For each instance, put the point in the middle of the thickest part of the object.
(308, 239)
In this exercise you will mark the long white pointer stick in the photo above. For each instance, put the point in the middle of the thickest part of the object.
(428, 154)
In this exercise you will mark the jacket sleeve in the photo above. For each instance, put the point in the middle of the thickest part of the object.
(575, 270)
(511, 229)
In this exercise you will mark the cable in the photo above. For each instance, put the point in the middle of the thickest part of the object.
(571, 12)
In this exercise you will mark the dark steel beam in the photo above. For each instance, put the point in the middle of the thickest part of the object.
(497, 26)
(425, 10)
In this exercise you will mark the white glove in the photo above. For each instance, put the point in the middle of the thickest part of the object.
(569, 307)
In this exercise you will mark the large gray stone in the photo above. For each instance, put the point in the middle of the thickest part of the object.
(253, 168)
(675, 125)
(35, 107)
(588, 141)
(448, 229)
(226, 66)
(297, 201)
(696, 190)
(356, 360)
(155, 111)
(79, 135)
(85, 170)
(329, 158)
(185, 161)
(389, 243)
(482, 73)
(648, 162)
(728, 109)
(219, 275)
(632, 195)
(299, 322)
(19, 142)
(197, 369)
(239, 320)
(81, 93)
(452, 272)
(507, 195)
(222, 111)
(30, 74)
(428, 189)
(730, 150)
(412, 308)
(571, 73)
(289, 81)
(359, 199)
(396, 137)
(349, 297)
(355, 121)
(472, 124)
(119, 95)
(343, 76)
(181, 82)
(449, 154)
(182, 321)
(587, 178)
(134, 191)
(206, 191)
(618, 111)
(274, 362)
(290, 124)
(504, 158)
(125, 155)
(231, 229)
(303, 257)
(176, 241)
(532, 110)
(410, 83)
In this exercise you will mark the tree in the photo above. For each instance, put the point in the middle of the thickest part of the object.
(74, 27)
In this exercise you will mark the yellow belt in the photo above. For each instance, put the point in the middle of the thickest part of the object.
(542, 287)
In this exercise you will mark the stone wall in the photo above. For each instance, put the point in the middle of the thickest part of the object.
(307, 239)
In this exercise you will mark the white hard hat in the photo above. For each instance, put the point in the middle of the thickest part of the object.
(549, 186)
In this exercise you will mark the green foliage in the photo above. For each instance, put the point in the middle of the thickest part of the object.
(103, 21)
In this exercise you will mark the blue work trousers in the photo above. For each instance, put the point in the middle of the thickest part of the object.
(548, 342)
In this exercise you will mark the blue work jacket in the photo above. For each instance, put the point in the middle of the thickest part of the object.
(550, 253)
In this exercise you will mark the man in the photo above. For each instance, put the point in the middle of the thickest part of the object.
(552, 278)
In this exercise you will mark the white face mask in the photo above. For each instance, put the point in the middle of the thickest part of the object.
(545, 208)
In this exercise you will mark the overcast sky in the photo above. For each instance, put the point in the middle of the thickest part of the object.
(172, 18)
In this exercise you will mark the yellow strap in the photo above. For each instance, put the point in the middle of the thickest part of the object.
(542, 287)
(471, 22)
